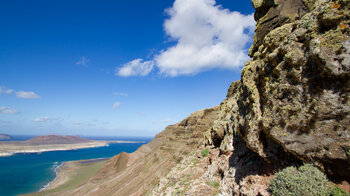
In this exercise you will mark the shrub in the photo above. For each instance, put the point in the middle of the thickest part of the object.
(337, 191)
(205, 152)
(307, 180)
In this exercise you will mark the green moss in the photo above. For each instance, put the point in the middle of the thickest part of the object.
(307, 180)
(214, 184)
(205, 152)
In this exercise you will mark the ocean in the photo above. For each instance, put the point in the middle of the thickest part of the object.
(26, 173)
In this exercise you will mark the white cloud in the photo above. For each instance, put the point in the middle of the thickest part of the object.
(121, 94)
(43, 119)
(9, 91)
(137, 67)
(83, 61)
(19, 94)
(4, 90)
(8, 110)
(27, 95)
(116, 105)
(207, 36)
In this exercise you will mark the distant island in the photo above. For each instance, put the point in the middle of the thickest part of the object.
(47, 143)
(5, 137)
(56, 139)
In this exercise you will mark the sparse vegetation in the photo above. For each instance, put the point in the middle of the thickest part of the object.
(307, 23)
(306, 180)
(205, 152)
(83, 173)
(177, 192)
(214, 184)
(337, 191)
(195, 161)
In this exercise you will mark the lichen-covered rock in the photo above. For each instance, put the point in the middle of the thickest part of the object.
(271, 14)
(293, 97)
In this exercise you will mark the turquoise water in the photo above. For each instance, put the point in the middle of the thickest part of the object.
(25, 173)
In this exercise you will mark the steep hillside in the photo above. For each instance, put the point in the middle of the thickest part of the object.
(139, 172)
(291, 106)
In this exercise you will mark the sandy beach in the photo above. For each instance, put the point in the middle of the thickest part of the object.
(71, 174)
(11, 148)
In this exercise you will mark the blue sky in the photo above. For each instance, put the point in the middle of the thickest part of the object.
(116, 68)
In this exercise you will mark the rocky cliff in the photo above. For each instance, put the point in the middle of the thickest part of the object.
(291, 106)
(293, 96)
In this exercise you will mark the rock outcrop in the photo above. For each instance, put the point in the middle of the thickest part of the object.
(292, 101)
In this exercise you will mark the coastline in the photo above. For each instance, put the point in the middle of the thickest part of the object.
(71, 174)
(9, 149)
(56, 175)
(66, 170)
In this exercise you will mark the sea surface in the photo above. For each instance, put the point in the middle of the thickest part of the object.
(26, 173)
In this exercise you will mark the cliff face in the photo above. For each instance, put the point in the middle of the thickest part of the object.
(291, 106)
(293, 97)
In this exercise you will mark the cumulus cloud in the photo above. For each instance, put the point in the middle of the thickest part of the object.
(8, 110)
(120, 94)
(83, 61)
(43, 119)
(116, 105)
(206, 36)
(137, 67)
(27, 95)
(4, 90)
